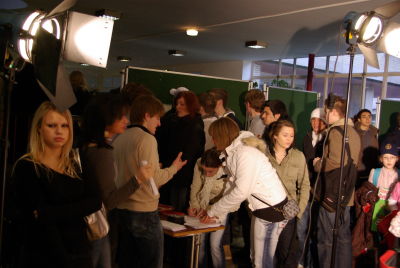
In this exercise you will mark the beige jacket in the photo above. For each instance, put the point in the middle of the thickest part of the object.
(293, 173)
(130, 148)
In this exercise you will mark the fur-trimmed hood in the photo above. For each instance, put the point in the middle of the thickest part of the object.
(256, 143)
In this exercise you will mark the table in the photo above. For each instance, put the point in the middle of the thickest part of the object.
(195, 234)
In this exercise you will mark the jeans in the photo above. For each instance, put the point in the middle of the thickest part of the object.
(326, 222)
(101, 253)
(141, 239)
(264, 239)
(216, 248)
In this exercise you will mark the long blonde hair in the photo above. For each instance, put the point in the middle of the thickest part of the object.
(68, 159)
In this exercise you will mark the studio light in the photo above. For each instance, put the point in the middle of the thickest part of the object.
(371, 31)
(192, 32)
(256, 44)
(176, 53)
(367, 27)
(29, 30)
(88, 39)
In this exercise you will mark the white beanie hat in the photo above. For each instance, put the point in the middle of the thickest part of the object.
(175, 91)
(318, 113)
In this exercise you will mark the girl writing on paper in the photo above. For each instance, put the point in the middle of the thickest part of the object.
(207, 188)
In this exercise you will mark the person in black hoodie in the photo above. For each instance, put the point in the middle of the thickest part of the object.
(180, 131)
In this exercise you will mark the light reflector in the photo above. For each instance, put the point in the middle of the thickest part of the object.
(88, 39)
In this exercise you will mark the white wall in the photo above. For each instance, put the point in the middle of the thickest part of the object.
(226, 69)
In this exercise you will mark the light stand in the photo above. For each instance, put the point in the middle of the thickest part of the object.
(351, 51)
(8, 92)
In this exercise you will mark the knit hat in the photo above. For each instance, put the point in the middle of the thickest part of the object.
(175, 91)
(389, 148)
(318, 113)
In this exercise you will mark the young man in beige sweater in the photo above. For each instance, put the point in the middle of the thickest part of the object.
(142, 242)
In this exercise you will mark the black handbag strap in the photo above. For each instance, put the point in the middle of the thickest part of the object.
(273, 207)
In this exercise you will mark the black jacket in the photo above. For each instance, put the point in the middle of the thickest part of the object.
(181, 134)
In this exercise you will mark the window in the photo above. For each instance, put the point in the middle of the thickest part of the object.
(373, 79)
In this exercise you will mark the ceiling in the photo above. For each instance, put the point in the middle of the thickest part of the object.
(149, 28)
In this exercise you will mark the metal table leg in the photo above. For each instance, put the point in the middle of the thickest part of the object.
(194, 257)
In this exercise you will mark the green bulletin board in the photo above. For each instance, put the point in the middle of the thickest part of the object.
(160, 82)
(387, 116)
(299, 104)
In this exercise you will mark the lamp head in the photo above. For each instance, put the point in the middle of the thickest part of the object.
(366, 27)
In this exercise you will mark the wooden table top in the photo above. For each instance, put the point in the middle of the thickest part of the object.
(189, 231)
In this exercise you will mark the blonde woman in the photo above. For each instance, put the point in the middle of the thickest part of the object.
(49, 196)
(253, 178)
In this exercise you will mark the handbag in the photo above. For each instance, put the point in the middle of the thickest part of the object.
(97, 224)
(289, 209)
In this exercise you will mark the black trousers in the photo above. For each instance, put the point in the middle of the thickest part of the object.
(287, 251)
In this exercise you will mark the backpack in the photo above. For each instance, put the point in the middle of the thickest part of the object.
(327, 190)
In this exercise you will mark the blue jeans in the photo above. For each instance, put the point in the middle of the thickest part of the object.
(326, 222)
(141, 239)
(101, 253)
(264, 239)
(214, 240)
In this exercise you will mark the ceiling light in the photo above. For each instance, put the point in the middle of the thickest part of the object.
(108, 14)
(177, 53)
(84, 64)
(256, 44)
(124, 58)
(192, 32)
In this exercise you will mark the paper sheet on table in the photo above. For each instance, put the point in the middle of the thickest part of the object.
(174, 227)
(195, 223)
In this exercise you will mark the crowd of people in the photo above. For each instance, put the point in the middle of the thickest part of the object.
(129, 155)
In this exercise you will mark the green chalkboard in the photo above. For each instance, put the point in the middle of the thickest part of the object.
(387, 116)
(299, 104)
(160, 82)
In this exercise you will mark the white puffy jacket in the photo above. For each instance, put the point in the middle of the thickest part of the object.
(251, 173)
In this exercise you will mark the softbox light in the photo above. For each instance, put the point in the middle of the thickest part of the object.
(88, 39)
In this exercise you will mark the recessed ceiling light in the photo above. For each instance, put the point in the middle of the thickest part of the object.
(124, 59)
(192, 32)
(177, 53)
(256, 44)
(108, 14)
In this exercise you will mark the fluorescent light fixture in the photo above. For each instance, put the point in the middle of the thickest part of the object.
(192, 32)
(124, 59)
(88, 39)
(84, 64)
(177, 53)
(108, 14)
(256, 44)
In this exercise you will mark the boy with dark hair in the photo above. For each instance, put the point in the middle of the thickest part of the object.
(329, 165)
(221, 97)
(207, 112)
(254, 101)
